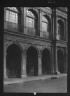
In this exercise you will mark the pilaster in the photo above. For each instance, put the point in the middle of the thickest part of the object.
(4, 56)
(39, 63)
(23, 71)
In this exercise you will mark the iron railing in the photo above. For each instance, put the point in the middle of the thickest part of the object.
(30, 31)
(59, 37)
(12, 26)
(45, 34)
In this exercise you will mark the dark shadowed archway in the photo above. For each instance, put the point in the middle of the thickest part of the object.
(46, 66)
(13, 61)
(60, 58)
(32, 62)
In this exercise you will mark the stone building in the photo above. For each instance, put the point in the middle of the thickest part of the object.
(35, 41)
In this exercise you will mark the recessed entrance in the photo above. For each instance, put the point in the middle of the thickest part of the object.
(46, 66)
(32, 62)
(60, 58)
(13, 61)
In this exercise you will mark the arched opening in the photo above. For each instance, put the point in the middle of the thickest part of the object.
(32, 62)
(32, 22)
(60, 26)
(46, 26)
(13, 61)
(12, 19)
(46, 66)
(60, 58)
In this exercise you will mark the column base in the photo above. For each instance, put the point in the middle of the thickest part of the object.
(57, 73)
(23, 76)
(39, 74)
(5, 77)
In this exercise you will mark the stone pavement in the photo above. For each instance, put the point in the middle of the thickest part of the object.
(31, 78)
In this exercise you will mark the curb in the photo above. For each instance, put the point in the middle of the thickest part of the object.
(22, 81)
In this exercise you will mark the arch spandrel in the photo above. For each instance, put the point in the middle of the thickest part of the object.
(61, 49)
(31, 46)
(14, 42)
(34, 9)
(46, 47)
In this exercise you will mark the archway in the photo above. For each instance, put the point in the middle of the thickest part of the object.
(13, 61)
(60, 58)
(32, 62)
(46, 66)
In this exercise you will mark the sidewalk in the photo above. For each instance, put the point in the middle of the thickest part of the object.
(31, 78)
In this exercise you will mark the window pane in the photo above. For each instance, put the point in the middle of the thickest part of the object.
(11, 16)
(33, 23)
(13, 8)
(29, 22)
(29, 13)
(7, 15)
(16, 18)
(44, 19)
(26, 21)
(44, 26)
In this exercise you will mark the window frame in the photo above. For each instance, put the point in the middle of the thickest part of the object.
(46, 22)
(61, 31)
(10, 16)
(32, 19)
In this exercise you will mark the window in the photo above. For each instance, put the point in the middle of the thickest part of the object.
(44, 24)
(12, 14)
(60, 29)
(30, 19)
(60, 26)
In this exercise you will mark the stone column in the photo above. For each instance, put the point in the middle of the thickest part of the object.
(54, 60)
(4, 58)
(57, 63)
(39, 64)
(54, 51)
(23, 71)
(66, 63)
(22, 20)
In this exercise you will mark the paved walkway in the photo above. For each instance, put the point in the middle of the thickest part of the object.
(31, 78)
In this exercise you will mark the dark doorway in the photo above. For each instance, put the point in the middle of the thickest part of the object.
(60, 58)
(13, 61)
(46, 66)
(32, 62)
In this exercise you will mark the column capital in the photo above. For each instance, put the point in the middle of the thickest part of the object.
(39, 53)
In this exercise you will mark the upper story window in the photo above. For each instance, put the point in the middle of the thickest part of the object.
(30, 19)
(11, 14)
(31, 22)
(44, 24)
(60, 28)
(12, 19)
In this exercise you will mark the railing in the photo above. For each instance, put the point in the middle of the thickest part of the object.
(63, 8)
(27, 30)
(45, 34)
(59, 37)
(11, 26)
(33, 32)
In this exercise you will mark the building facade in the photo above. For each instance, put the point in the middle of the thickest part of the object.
(35, 41)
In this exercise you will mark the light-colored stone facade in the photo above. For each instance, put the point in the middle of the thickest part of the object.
(24, 41)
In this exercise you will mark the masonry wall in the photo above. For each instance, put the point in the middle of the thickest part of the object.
(24, 41)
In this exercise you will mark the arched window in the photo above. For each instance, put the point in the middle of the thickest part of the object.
(30, 19)
(60, 29)
(45, 27)
(11, 20)
(31, 22)
(12, 14)
(44, 24)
